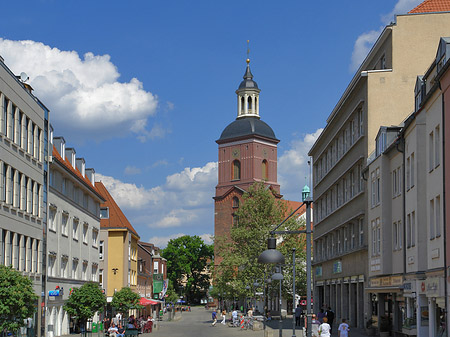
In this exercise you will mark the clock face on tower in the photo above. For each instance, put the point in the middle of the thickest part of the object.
(235, 152)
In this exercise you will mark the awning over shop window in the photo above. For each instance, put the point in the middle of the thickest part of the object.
(145, 301)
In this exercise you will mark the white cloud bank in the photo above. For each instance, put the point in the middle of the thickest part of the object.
(161, 241)
(293, 166)
(366, 40)
(83, 93)
(183, 200)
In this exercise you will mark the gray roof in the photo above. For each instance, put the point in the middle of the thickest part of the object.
(247, 126)
(248, 80)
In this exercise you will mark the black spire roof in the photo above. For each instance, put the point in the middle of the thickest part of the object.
(248, 80)
(245, 127)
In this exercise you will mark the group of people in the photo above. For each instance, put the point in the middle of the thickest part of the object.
(224, 317)
(322, 323)
(115, 328)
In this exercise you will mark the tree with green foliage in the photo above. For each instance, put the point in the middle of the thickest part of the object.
(17, 299)
(171, 295)
(260, 211)
(187, 260)
(125, 299)
(85, 301)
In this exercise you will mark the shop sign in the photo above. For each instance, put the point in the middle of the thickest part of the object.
(409, 287)
(337, 267)
(433, 287)
(319, 271)
(386, 281)
(396, 280)
(375, 282)
(56, 292)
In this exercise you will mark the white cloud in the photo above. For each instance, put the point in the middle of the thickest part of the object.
(207, 238)
(161, 241)
(184, 200)
(83, 94)
(366, 40)
(401, 7)
(362, 46)
(132, 170)
(293, 166)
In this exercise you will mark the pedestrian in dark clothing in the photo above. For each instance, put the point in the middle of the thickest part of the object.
(298, 312)
(330, 315)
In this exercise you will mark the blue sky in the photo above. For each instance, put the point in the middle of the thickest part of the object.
(142, 89)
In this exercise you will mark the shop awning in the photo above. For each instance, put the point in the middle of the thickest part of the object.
(145, 301)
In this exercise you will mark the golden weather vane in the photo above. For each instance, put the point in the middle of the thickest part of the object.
(248, 51)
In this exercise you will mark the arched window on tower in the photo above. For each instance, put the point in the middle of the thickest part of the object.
(249, 102)
(242, 105)
(235, 202)
(265, 170)
(236, 170)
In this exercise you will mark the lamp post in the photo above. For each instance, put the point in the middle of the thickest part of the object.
(271, 255)
(279, 277)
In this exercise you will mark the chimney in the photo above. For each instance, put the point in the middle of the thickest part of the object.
(81, 165)
(90, 174)
(60, 144)
(70, 155)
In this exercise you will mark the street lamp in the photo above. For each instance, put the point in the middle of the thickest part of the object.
(271, 255)
(279, 277)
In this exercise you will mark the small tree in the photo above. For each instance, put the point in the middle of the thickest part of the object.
(125, 299)
(85, 301)
(17, 299)
(172, 296)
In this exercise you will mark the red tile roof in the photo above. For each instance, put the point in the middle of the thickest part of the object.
(430, 6)
(74, 170)
(116, 217)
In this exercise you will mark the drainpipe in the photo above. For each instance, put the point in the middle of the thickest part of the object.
(444, 212)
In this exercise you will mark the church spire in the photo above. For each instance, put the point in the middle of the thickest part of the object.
(248, 93)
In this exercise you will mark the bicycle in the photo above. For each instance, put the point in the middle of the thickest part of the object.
(248, 323)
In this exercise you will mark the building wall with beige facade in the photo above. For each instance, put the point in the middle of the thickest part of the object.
(381, 93)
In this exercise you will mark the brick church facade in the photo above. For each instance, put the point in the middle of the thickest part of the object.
(247, 154)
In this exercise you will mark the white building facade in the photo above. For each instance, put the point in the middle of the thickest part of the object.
(23, 189)
(73, 234)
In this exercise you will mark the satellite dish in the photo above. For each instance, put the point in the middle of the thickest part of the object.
(23, 76)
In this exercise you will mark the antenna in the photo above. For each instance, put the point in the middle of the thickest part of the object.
(248, 51)
(24, 77)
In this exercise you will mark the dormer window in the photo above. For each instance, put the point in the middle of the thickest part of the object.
(104, 213)
(236, 170)
(380, 143)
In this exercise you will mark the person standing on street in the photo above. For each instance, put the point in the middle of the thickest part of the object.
(214, 317)
(224, 316)
(298, 312)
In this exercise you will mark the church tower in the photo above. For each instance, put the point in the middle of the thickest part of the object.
(247, 154)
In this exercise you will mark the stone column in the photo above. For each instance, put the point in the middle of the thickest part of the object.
(431, 317)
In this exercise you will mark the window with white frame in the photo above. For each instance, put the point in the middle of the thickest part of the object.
(352, 132)
(400, 234)
(412, 173)
(339, 241)
(413, 228)
(100, 278)
(75, 228)
(361, 231)
(64, 221)
(51, 268)
(352, 184)
(104, 213)
(378, 236)
(84, 271)
(374, 238)
(431, 214)
(361, 122)
(352, 236)
(437, 220)
(101, 248)
(437, 146)
(408, 173)
(408, 231)
(395, 235)
(95, 237)
(74, 268)
(345, 238)
(431, 151)
(64, 268)
(94, 276)
(85, 232)
(52, 218)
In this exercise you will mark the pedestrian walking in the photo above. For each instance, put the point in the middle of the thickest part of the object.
(321, 315)
(324, 328)
(214, 317)
(343, 329)
(224, 316)
(330, 316)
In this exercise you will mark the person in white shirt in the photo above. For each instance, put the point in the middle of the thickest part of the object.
(343, 329)
(324, 328)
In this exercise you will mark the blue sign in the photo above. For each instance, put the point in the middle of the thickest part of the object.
(54, 292)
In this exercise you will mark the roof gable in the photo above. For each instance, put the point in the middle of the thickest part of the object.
(116, 217)
(431, 6)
